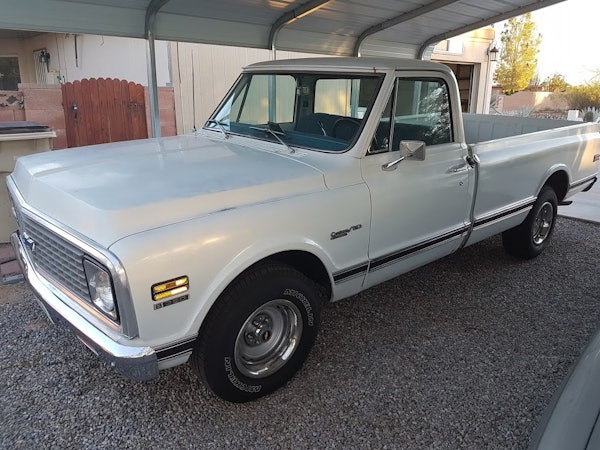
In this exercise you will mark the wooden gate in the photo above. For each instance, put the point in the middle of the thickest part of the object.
(103, 110)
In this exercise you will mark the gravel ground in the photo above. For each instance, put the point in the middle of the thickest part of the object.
(463, 353)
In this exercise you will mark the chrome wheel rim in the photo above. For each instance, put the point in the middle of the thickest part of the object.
(268, 338)
(543, 223)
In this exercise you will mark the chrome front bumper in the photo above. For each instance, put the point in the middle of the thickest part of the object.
(136, 363)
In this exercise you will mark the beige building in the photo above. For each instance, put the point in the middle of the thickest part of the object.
(470, 56)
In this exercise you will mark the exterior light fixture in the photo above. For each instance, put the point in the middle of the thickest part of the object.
(45, 59)
(493, 53)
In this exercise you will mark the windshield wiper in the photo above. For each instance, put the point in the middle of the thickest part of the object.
(221, 126)
(275, 130)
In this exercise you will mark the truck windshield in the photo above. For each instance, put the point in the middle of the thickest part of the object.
(321, 112)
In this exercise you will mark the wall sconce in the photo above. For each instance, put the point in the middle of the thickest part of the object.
(493, 53)
(45, 59)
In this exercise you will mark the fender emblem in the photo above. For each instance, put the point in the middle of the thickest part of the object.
(346, 232)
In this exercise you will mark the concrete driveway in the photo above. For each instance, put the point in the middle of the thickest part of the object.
(585, 206)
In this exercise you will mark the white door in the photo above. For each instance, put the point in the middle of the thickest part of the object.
(420, 208)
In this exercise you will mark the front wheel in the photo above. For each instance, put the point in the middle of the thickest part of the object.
(258, 333)
(530, 238)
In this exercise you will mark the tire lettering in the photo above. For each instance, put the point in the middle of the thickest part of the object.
(300, 296)
(236, 382)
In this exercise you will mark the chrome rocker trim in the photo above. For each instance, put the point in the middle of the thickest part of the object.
(135, 363)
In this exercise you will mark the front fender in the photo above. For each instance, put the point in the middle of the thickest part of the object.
(212, 251)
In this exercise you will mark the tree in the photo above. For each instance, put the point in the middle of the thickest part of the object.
(555, 83)
(518, 57)
(585, 96)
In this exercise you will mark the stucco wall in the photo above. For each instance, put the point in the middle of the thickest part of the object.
(95, 57)
(108, 57)
(535, 101)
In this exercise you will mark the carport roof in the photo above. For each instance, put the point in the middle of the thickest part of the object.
(339, 27)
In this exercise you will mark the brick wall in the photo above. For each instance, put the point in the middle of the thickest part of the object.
(11, 107)
(166, 108)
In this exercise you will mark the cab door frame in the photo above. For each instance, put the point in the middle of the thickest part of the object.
(420, 209)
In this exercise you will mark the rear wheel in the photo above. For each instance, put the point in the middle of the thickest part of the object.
(530, 238)
(258, 334)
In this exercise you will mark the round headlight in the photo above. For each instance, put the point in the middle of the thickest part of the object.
(100, 287)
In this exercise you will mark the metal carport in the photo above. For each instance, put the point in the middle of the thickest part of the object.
(403, 28)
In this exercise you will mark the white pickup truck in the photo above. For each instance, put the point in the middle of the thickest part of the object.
(313, 180)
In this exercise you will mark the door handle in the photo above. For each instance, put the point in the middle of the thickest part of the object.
(393, 164)
(74, 107)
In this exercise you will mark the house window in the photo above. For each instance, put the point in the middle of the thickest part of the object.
(10, 76)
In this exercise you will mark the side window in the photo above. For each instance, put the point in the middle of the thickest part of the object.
(422, 112)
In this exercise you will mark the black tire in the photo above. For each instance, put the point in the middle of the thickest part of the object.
(258, 333)
(530, 238)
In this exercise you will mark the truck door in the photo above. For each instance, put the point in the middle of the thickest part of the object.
(420, 194)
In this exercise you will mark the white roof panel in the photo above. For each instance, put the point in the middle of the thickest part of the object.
(340, 27)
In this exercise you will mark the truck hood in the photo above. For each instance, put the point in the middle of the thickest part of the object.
(110, 191)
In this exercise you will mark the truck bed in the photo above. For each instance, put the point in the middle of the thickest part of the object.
(515, 153)
(486, 127)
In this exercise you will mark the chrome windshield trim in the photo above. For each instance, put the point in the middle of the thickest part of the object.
(128, 323)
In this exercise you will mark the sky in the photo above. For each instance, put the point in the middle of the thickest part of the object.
(570, 39)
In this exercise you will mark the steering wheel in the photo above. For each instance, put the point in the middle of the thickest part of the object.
(345, 128)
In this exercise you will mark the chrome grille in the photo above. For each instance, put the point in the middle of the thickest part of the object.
(15, 211)
(57, 258)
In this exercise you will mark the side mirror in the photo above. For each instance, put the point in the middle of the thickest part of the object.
(413, 149)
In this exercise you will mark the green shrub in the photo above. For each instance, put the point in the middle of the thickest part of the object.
(584, 96)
